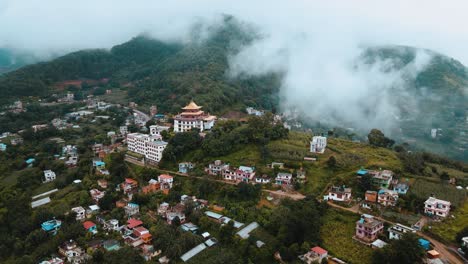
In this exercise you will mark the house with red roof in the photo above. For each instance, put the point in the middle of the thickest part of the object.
(166, 181)
(132, 223)
(135, 234)
(315, 255)
(129, 186)
(90, 226)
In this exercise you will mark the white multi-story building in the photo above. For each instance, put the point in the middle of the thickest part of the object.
(150, 146)
(318, 144)
(193, 117)
(396, 231)
(49, 176)
(436, 207)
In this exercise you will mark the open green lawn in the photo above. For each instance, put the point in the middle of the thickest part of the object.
(449, 228)
(337, 232)
(423, 189)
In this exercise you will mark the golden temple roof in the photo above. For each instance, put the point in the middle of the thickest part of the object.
(192, 106)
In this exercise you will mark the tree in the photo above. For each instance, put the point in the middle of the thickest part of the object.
(331, 162)
(378, 139)
(406, 250)
(444, 176)
(226, 233)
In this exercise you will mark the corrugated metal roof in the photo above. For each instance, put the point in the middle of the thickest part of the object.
(40, 202)
(213, 214)
(245, 232)
(194, 251)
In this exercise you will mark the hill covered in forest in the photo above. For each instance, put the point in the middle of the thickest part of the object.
(171, 74)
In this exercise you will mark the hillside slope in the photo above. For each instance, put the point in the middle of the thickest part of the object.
(169, 75)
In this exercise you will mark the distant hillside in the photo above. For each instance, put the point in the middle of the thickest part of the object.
(441, 91)
(169, 75)
(10, 61)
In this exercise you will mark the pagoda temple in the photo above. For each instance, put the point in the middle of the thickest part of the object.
(193, 117)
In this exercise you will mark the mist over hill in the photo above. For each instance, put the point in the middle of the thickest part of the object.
(403, 90)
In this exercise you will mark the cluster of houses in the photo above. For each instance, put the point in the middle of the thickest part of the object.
(248, 175)
(388, 194)
(368, 230)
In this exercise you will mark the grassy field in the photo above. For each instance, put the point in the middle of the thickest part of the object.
(337, 232)
(423, 189)
(449, 228)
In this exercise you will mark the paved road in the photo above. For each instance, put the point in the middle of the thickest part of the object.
(438, 246)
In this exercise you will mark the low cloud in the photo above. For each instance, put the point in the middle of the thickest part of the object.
(315, 44)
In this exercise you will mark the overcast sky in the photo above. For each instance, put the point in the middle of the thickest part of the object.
(68, 25)
(314, 42)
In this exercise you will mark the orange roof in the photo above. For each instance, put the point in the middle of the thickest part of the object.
(132, 223)
(319, 250)
(192, 106)
(147, 235)
(88, 224)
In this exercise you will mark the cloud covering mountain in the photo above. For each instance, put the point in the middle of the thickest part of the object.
(316, 44)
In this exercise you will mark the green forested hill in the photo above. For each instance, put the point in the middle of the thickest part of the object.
(164, 74)
(169, 75)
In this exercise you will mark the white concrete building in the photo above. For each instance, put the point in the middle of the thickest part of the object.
(436, 207)
(318, 144)
(339, 193)
(49, 176)
(151, 147)
(397, 231)
(80, 213)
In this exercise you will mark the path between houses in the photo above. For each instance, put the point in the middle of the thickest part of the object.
(294, 196)
(438, 246)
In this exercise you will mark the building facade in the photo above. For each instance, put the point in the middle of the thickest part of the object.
(193, 117)
(396, 231)
(436, 207)
(368, 228)
(150, 146)
(318, 144)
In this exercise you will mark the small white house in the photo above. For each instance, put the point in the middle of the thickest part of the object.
(49, 176)
(80, 213)
(339, 193)
(397, 231)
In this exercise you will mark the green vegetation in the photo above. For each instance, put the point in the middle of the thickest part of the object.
(449, 228)
(424, 189)
(337, 231)
(405, 250)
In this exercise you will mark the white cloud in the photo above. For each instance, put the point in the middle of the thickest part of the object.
(314, 42)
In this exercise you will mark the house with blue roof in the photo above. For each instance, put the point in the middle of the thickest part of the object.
(51, 226)
(424, 243)
(30, 162)
(362, 172)
(3, 147)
